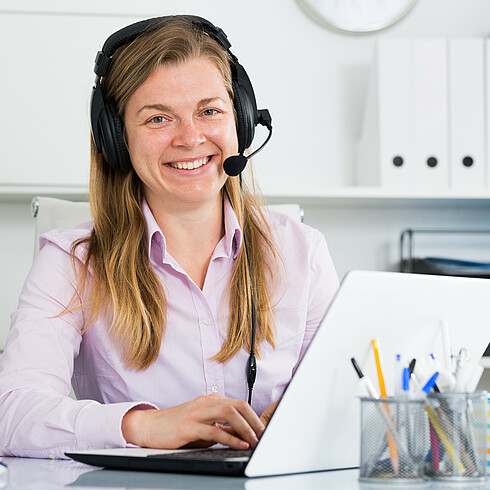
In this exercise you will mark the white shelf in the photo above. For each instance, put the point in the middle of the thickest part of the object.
(357, 192)
(339, 195)
(27, 192)
(354, 195)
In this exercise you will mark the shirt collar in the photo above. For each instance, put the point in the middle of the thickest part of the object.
(232, 240)
(233, 232)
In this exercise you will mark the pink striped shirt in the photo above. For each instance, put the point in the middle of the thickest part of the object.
(45, 352)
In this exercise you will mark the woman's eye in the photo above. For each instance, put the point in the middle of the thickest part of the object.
(209, 112)
(157, 119)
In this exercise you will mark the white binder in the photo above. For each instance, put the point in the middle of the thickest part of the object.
(431, 123)
(467, 113)
(487, 117)
(385, 154)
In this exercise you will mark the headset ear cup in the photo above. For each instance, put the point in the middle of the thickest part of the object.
(119, 151)
(245, 106)
(244, 139)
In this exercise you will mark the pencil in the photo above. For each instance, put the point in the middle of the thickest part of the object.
(443, 438)
(382, 389)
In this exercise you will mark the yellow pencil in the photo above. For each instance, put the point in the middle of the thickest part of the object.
(382, 389)
(443, 438)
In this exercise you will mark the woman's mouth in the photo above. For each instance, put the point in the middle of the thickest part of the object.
(190, 165)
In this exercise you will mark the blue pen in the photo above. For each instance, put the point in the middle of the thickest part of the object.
(406, 381)
(430, 384)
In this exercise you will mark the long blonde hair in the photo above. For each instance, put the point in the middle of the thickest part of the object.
(123, 281)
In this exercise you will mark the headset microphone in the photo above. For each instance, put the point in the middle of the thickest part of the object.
(235, 164)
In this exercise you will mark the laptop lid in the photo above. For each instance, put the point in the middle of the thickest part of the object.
(316, 424)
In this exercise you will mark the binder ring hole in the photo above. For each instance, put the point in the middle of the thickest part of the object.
(468, 161)
(397, 161)
(432, 162)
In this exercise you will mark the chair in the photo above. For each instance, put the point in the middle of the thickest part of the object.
(52, 213)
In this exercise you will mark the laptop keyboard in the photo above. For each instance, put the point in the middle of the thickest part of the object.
(209, 454)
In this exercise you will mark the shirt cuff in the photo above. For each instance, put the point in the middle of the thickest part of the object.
(99, 426)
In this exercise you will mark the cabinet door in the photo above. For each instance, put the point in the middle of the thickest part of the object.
(46, 80)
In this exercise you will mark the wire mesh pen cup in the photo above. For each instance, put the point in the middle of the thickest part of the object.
(457, 425)
(394, 440)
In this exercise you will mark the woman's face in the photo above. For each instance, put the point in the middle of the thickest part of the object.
(180, 128)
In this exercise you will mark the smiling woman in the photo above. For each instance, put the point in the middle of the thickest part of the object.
(162, 309)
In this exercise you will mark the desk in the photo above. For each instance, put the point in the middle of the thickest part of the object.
(43, 474)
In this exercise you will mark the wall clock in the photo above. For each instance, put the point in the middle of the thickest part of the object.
(357, 15)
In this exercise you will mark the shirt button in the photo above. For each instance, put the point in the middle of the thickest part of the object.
(108, 446)
(207, 321)
(52, 456)
(215, 389)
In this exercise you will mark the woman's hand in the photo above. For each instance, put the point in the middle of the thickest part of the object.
(195, 423)
(269, 412)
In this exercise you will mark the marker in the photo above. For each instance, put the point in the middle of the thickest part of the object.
(365, 380)
(384, 412)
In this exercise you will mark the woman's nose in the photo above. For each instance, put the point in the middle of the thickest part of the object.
(188, 134)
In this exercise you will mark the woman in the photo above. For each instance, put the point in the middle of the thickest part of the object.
(157, 309)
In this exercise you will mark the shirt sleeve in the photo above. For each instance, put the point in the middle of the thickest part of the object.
(38, 418)
(323, 286)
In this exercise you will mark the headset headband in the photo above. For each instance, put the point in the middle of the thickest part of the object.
(107, 127)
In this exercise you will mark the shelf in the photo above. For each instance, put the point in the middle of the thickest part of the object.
(335, 195)
(27, 192)
(354, 195)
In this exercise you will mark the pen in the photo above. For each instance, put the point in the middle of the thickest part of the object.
(406, 382)
(430, 384)
(365, 380)
(382, 388)
(446, 346)
(392, 434)
(463, 368)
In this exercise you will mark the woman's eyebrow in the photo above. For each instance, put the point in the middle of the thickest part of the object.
(158, 107)
(208, 100)
(164, 108)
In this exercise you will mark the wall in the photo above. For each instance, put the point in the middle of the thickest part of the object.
(311, 78)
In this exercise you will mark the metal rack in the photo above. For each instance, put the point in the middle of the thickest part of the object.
(410, 263)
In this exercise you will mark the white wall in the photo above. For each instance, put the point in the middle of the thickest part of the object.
(312, 79)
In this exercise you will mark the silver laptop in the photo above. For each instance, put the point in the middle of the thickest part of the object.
(316, 425)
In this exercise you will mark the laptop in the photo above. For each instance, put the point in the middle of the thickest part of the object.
(316, 426)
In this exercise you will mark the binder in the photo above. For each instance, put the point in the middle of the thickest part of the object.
(431, 114)
(466, 114)
(385, 153)
(487, 113)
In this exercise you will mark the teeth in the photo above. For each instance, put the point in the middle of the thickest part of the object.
(189, 165)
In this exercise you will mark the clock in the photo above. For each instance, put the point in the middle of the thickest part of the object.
(357, 15)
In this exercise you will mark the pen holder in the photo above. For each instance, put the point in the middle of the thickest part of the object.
(457, 425)
(394, 440)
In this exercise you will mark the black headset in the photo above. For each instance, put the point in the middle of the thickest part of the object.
(107, 127)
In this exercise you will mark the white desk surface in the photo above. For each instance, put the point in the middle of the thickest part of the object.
(43, 474)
